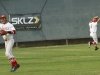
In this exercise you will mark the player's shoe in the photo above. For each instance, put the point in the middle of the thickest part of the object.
(14, 68)
(89, 44)
(96, 48)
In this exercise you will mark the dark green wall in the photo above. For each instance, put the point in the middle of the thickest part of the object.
(61, 19)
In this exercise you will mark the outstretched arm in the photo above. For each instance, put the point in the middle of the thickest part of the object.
(98, 20)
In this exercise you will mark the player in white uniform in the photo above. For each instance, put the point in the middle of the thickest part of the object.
(9, 41)
(93, 31)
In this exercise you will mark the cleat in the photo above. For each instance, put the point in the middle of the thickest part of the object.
(14, 68)
(89, 45)
(96, 48)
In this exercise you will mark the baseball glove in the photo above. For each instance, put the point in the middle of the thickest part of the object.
(3, 32)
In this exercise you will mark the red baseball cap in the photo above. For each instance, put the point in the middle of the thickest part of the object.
(2, 16)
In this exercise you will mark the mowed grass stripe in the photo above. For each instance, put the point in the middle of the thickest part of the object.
(54, 60)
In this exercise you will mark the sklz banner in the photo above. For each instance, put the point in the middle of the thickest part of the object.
(26, 21)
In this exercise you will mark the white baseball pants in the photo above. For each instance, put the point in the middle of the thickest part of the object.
(94, 37)
(8, 46)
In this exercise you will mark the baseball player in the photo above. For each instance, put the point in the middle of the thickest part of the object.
(8, 31)
(93, 32)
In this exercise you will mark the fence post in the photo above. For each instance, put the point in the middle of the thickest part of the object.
(66, 41)
(16, 44)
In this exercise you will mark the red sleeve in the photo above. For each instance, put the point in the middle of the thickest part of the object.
(14, 31)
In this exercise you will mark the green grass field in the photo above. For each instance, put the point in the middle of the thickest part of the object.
(53, 60)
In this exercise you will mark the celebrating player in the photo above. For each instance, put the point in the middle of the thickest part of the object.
(93, 32)
(7, 30)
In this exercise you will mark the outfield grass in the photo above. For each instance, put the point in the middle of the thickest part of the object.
(53, 60)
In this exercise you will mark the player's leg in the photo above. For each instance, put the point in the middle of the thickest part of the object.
(95, 41)
(90, 42)
(10, 56)
(8, 51)
(5, 44)
(8, 47)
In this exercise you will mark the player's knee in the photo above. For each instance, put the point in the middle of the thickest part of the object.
(7, 54)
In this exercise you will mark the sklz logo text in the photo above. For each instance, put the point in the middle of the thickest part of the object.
(23, 20)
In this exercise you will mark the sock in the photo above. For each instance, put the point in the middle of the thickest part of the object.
(13, 62)
(91, 42)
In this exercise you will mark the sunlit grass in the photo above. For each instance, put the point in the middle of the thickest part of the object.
(53, 60)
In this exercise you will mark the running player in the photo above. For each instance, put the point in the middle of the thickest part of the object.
(9, 41)
(93, 31)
